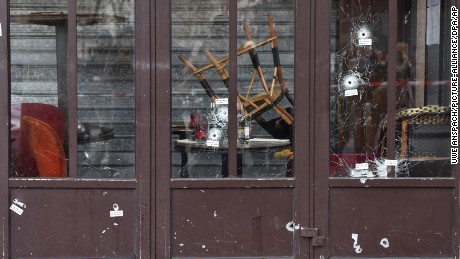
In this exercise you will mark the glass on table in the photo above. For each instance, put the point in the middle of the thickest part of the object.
(201, 127)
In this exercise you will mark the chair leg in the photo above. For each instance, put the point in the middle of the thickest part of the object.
(404, 138)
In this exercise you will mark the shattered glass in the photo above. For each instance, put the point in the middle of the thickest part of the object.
(200, 74)
(359, 96)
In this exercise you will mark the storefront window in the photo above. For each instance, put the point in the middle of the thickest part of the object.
(265, 89)
(43, 100)
(360, 84)
(38, 76)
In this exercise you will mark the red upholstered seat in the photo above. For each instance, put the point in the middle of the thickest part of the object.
(46, 147)
(24, 161)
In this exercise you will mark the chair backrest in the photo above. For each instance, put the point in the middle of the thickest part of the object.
(254, 104)
(24, 164)
(46, 147)
(421, 132)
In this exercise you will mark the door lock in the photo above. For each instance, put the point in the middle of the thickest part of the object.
(312, 233)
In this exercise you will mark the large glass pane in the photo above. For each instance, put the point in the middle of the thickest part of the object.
(266, 88)
(106, 89)
(358, 115)
(39, 84)
(200, 76)
(194, 30)
(40, 88)
(423, 89)
(359, 32)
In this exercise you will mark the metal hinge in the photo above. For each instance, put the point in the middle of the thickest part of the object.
(312, 233)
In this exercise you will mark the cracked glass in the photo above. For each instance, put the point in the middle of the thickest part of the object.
(265, 89)
(359, 99)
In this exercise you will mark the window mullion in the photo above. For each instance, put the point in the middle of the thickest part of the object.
(232, 129)
(391, 81)
(72, 88)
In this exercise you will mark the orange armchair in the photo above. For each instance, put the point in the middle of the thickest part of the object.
(37, 135)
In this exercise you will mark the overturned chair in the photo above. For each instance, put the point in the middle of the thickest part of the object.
(254, 105)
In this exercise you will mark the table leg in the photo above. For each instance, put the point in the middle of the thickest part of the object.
(184, 170)
(239, 161)
(239, 165)
(224, 165)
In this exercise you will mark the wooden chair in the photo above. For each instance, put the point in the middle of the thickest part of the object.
(254, 104)
(423, 138)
